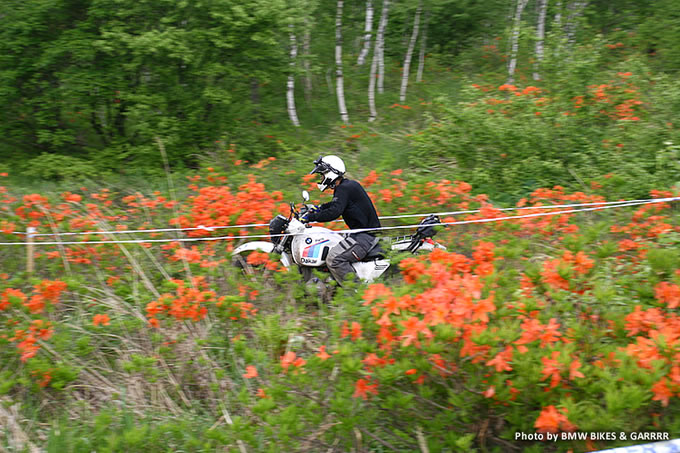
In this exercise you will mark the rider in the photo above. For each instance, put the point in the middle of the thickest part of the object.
(350, 201)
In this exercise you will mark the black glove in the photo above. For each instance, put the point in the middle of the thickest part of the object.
(307, 211)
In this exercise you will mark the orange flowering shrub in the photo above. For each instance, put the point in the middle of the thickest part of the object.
(218, 206)
(188, 302)
(26, 332)
(490, 335)
(526, 324)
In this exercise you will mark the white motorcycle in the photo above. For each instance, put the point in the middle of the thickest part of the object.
(307, 246)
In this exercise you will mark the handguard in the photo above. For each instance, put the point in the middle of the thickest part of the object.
(306, 210)
(424, 231)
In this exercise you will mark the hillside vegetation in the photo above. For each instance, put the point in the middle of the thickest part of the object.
(166, 119)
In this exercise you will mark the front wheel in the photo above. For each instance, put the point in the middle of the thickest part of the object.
(253, 258)
(242, 262)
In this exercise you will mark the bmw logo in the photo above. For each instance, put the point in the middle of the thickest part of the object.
(308, 241)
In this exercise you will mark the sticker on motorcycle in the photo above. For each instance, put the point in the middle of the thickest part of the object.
(313, 251)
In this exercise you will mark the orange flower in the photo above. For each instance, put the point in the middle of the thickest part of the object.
(371, 179)
(261, 393)
(551, 277)
(507, 87)
(287, 359)
(531, 89)
(661, 392)
(71, 197)
(573, 370)
(50, 290)
(551, 333)
(375, 291)
(42, 329)
(582, 263)
(5, 297)
(299, 362)
(501, 360)
(372, 360)
(354, 332)
(251, 372)
(191, 255)
(363, 388)
(668, 293)
(412, 327)
(323, 355)
(45, 377)
(290, 358)
(551, 369)
(28, 348)
(35, 304)
(412, 268)
(551, 420)
(7, 227)
(100, 320)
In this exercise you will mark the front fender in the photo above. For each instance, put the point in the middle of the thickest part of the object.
(262, 246)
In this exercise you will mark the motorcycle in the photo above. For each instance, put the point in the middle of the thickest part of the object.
(307, 246)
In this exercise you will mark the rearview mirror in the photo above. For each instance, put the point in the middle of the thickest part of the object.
(305, 195)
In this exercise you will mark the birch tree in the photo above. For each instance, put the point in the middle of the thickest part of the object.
(339, 83)
(423, 43)
(540, 35)
(290, 91)
(381, 48)
(409, 53)
(575, 10)
(368, 28)
(306, 44)
(517, 21)
(377, 51)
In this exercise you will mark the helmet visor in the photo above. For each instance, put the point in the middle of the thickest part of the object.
(320, 166)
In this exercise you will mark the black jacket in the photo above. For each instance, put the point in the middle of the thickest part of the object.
(350, 201)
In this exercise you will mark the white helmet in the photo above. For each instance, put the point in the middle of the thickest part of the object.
(330, 168)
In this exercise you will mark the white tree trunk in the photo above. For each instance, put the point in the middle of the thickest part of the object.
(368, 27)
(558, 26)
(540, 35)
(306, 44)
(339, 84)
(290, 93)
(558, 14)
(409, 53)
(517, 22)
(377, 50)
(381, 55)
(423, 43)
(575, 10)
(371, 85)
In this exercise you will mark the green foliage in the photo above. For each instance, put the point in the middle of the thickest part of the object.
(272, 364)
(508, 143)
(51, 167)
(664, 261)
(116, 430)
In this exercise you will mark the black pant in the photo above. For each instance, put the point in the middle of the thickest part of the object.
(350, 250)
